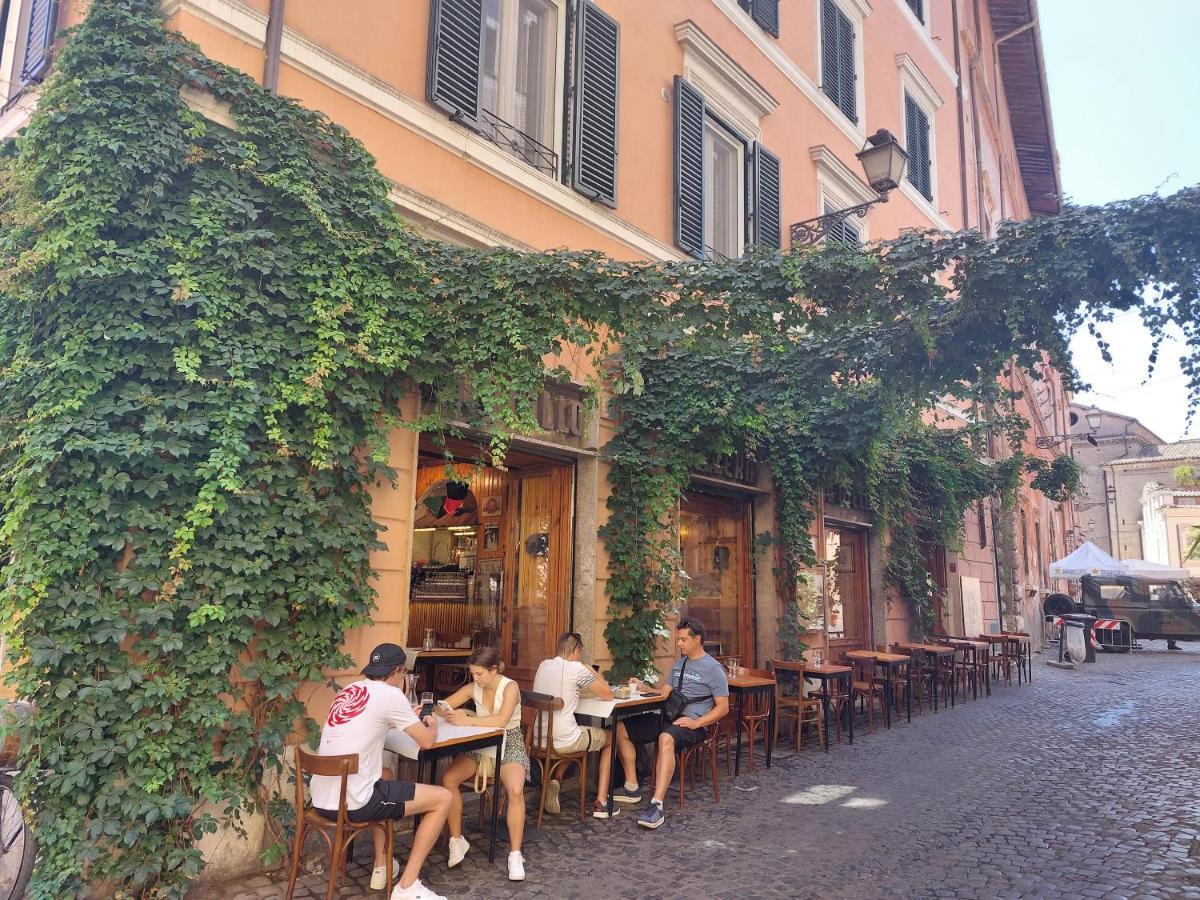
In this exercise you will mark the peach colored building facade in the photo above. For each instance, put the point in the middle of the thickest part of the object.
(653, 131)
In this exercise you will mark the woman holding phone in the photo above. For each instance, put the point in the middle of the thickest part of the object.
(497, 702)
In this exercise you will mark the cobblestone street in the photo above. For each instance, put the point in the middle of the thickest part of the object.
(1084, 784)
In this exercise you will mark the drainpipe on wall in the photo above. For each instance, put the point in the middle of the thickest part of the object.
(271, 46)
(962, 125)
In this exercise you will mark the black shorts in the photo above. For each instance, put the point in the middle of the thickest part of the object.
(386, 802)
(644, 729)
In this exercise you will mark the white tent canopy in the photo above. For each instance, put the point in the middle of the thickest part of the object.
(1091, 560)
(1140, 568)
(1087, 560)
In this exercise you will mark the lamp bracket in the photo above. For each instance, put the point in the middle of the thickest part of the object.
(812, 230)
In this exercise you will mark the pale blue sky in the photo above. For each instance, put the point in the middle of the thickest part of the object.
(1124, 79)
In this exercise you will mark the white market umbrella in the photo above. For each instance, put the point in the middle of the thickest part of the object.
(1087, 560)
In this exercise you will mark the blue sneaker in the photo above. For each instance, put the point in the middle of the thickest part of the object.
(624, 795)
(652, 816)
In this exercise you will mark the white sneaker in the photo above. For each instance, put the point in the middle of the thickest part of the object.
(415, 891)
(458, 850)
(516, 866)
(379, 875)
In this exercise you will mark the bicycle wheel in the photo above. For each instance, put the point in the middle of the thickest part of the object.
(17, 848)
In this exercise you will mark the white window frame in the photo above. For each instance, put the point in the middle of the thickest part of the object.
(732, 96)
(914, 84)
(13, 50)
(720, 132)
(840, 187)
(922, 27)
(507, 68)
(856, 11)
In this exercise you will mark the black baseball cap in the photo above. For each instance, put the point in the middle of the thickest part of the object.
(384, 658)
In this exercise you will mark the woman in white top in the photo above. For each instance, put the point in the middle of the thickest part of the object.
(497, 705)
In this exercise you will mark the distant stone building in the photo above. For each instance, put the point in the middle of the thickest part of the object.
(1118, 437)
(1170, 522)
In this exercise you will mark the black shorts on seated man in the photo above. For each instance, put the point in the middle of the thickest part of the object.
(359, 720)
(702, 700)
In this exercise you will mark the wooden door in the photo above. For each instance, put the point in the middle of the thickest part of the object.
(847, 614)
(714, 542)
(538, 564)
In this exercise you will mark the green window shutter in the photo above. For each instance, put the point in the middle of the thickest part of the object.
(39, 40)
(452, 71)
(916, 143)
(766, 14)
(768, 204)
(837, 59)
(918, 8)
(689, 169)
(926, 185)
(594, 141)
(846, 75)
(830, 82)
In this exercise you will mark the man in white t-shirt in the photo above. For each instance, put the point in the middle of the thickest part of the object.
(567, 677)
(359, 720)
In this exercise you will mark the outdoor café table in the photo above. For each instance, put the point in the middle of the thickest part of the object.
(1023, 644)
(936, 652)
(608, 713)
(890, 662)
(753, 684)
(997, 641)
(427, 663)
(825, 673)
(974, 649)
(452, 740)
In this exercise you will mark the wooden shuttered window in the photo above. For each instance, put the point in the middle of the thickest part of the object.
(455, 44)
(689, 169)
(916, 143)
(593, 159)
(39, 40)
(767, 215)
(764, 12)
(918, 8)
(838, 77)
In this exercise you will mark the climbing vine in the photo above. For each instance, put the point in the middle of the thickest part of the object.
(207, 333)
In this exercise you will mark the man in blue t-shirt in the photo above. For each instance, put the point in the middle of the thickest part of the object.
(701, 679)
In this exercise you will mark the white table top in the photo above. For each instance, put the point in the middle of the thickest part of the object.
(399, 742)
(602, 709)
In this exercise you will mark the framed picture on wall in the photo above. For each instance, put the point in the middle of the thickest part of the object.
(491, 537)
(489, 580)
(491, 506)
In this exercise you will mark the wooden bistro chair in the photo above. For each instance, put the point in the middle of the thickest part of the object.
(756, 713)
(920, 677)
(540, 745)
(901, 682)
(805, 710)
(865, 688)
(337, 833)
(687, 761)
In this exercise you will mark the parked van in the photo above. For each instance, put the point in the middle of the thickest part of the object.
(1155, 609)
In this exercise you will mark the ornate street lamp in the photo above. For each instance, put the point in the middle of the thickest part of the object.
(883, 161)
(1094, 416)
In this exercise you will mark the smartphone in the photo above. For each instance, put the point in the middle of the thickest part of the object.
(445, 707)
